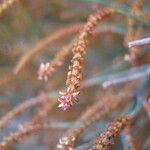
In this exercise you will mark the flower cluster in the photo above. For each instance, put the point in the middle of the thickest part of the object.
(105, 139)
(74, 76)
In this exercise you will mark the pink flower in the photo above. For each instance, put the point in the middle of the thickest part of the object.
(43, 72)
(67, 99)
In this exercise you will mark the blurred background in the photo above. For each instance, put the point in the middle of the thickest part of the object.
(27, 22)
